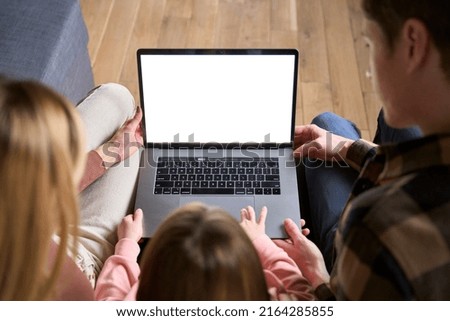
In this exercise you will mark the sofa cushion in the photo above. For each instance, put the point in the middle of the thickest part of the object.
(46, 40)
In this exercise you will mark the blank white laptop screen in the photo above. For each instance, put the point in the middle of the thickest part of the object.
(218, 98)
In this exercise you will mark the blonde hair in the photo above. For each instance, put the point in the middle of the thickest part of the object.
(201, 253)
(41, 160)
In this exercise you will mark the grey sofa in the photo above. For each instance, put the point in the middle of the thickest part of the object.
(46, 40)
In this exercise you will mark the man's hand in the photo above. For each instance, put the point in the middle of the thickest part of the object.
(315, 142)
(305, 254)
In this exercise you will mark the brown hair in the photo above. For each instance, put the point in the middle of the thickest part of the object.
(435, 14)
(40, 150)
(201, 253)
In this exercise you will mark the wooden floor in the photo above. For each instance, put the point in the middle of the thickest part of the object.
(327, 33)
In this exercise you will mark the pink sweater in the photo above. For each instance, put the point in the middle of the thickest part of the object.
(119, 277)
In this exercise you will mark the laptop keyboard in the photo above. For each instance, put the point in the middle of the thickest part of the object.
(233, 176)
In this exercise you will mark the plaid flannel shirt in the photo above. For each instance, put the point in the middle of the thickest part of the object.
(393, 239)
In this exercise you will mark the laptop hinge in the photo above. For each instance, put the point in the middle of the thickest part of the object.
(219, 145)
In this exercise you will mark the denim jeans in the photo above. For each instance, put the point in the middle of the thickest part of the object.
(327, 186)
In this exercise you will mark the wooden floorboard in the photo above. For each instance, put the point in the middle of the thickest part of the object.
(333, 56)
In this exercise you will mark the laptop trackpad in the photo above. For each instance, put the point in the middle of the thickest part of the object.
(232, 205)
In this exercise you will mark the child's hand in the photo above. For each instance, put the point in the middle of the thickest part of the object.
(131, 226)
(253, 228)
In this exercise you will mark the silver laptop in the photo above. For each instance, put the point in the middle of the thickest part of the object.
(218, 128)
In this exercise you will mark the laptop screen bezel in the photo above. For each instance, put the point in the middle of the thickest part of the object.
(223, 51)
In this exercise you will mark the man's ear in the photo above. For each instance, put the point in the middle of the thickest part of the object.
(417, 41)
